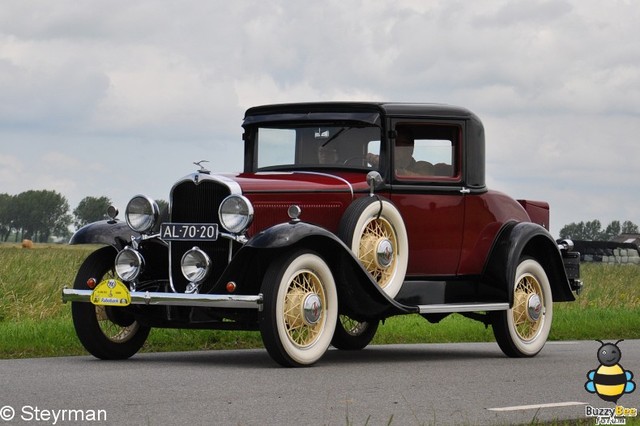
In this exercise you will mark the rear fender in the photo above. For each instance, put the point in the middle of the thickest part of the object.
(110, 232)
(359, 296)
(520, 239)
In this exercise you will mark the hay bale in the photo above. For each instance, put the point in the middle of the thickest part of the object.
(28, 244)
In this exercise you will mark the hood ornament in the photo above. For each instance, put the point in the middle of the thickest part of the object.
(202, 169)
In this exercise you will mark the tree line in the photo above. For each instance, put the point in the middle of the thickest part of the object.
(592, 230)
(40, 215)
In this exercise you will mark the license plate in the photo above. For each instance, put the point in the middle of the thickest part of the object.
(111, 292)
(189, 231)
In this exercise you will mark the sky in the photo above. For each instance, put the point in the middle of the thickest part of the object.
(117, 98)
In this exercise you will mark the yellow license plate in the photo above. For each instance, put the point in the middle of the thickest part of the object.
(111, 293)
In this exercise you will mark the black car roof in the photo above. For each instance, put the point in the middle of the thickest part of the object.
(386, 108)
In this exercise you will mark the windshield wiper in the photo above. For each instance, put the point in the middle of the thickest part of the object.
(336, 135)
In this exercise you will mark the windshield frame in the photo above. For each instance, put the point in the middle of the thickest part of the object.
(316, 144)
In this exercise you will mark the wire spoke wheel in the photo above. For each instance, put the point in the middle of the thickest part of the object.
(112, 331)
(353, 335)
(107, 332)
(300, 308)
(378, 244)
(303, 308)
(374, 230)
(522, 330)
(351, 326)
(526, 324)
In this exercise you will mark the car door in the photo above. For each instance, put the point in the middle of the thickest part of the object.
(427, 190)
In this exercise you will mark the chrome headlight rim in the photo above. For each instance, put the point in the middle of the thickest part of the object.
(195, 265)
(146, 220)
(235, 213)
(128, 264)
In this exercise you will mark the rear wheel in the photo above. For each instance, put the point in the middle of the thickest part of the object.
(522, 330)
(106, 332)
(300, 309)
(352, 335)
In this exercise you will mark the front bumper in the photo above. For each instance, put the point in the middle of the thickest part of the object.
(175, 299)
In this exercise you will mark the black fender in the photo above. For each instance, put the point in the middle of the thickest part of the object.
(518, 239)
(111, 232)
(359, 295)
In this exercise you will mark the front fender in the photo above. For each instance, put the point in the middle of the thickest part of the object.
(359, 295)
(518, 239)
(111, 232)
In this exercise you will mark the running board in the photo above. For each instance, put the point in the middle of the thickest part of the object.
(462, 307)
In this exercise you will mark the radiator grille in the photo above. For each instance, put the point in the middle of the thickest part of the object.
(198, 203)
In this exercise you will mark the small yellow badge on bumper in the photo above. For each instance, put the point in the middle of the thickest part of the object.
(111, 293)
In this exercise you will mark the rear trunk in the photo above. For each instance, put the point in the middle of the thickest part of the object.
(538, 211)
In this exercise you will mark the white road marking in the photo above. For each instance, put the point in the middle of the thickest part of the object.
(537, 406)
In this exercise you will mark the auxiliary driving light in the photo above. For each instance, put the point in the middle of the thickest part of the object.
(129, 264)
(195, 265)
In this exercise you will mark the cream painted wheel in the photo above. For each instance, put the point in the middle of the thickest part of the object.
(114, 332)
(105, 332)
(353, 335)
(300, 309)
(374, 230)
(522, 330)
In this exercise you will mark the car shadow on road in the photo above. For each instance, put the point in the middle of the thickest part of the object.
(375, 354)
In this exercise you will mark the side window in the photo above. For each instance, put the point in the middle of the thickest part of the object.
(426, 152)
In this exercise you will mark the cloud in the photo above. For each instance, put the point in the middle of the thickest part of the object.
(133, 92)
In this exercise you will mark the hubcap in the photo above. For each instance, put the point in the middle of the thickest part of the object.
(534, 307)
(312, 309)
(384, 253)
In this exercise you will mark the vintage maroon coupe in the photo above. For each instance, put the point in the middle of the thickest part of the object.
(345, 214)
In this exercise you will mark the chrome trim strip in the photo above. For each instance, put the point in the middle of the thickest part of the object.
(175, 299)
(329, 175)
(462, 307)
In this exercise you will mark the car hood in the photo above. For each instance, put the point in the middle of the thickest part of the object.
(300, 181)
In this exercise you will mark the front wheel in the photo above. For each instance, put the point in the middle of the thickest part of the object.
(352, 335)
(300, 309)
(522, 330)
(106, 332)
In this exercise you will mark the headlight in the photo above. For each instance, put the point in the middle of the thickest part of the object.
(195, 265)
(141, 213)
(129, 264)
(236, 213)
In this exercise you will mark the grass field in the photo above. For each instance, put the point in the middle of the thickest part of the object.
(34, 322)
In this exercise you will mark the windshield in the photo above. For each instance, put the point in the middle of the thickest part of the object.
(312, 146)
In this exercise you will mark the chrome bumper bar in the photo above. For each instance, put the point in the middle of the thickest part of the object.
(175, 299)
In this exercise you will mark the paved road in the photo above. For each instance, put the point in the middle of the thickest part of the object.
(395, 384)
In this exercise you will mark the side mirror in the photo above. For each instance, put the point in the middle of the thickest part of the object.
(374, 180)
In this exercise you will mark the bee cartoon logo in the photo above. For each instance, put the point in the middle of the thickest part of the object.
(609, 381)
